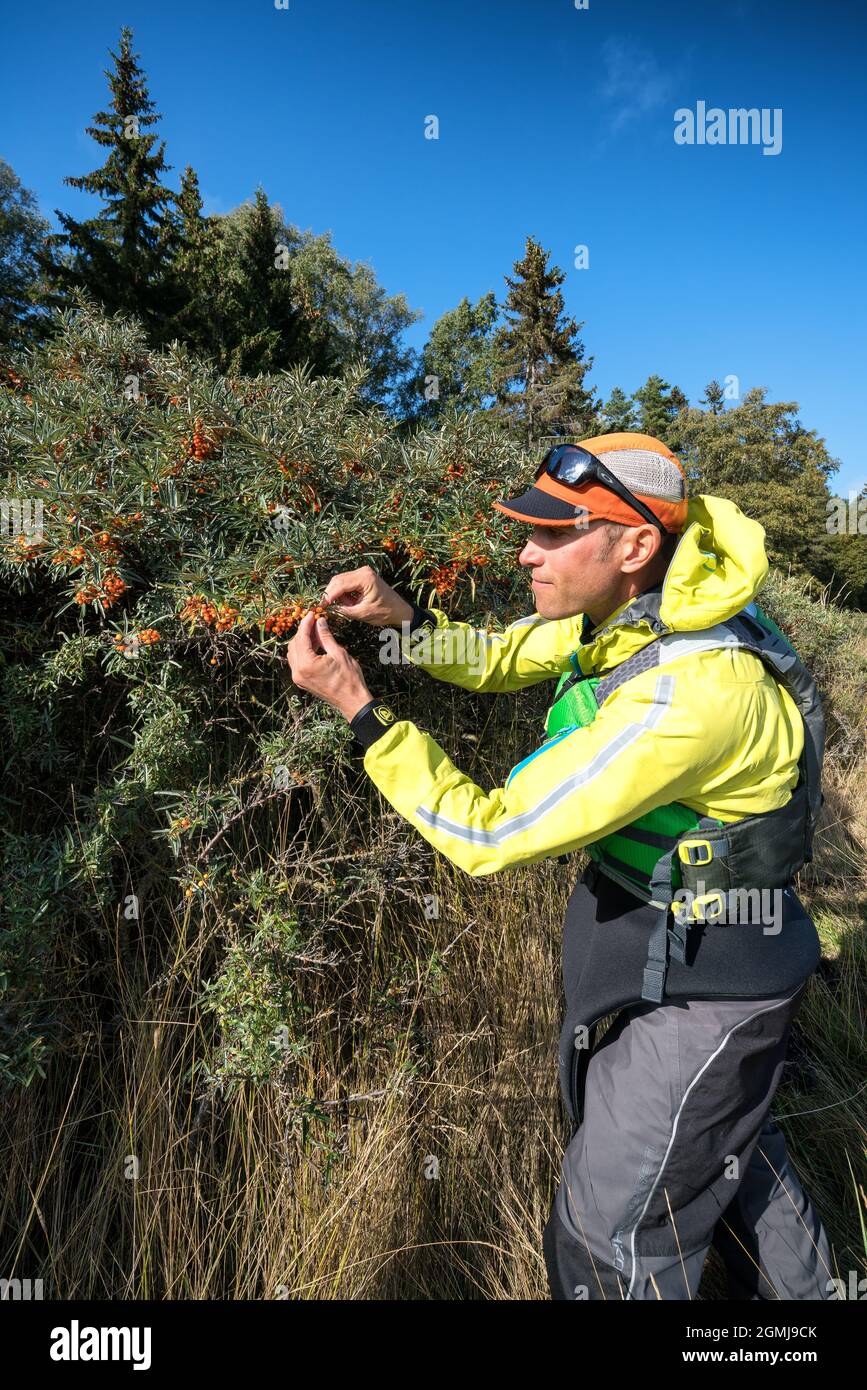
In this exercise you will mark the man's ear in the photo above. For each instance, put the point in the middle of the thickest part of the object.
(642, 540)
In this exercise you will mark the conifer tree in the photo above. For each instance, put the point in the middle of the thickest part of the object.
(658, 405)
(618, 413)
(118, 256)
(540, 377)
(197, 287)
(267, 294)
(713, 398)
(269, 330)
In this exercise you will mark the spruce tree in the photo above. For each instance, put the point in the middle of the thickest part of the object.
(658, 406)
(713, 398)
(196, 287)
(118, 256)
(618, 413)
(540, 375)
(270, 331)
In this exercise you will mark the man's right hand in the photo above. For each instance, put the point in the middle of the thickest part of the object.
(364, 594)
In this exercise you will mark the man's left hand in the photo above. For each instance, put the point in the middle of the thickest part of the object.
(319, 664)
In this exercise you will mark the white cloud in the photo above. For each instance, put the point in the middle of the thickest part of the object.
(633, 81)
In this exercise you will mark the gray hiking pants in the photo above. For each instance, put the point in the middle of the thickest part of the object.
(676, 1152)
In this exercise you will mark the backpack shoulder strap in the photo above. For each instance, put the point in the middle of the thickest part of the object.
(634, 665)
(749, 631)
(784, 663)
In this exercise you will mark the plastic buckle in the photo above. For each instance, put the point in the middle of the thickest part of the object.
(690, 851)
(701, 904)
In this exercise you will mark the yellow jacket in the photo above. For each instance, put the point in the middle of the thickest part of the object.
(719, 735)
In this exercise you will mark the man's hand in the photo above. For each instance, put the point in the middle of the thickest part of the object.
(319, 664)
(364, 594)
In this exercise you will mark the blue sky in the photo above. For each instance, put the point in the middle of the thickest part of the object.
(704, 260)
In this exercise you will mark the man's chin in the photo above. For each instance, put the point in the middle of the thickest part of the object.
(549, 604)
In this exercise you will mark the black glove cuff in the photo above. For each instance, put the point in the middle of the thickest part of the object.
(420, 616)
(371, 722)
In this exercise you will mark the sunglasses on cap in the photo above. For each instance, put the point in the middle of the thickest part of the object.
(572, 465)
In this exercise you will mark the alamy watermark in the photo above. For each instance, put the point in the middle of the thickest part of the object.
(847, 518)
(77, 1343)
(455, 646)
(728, 907)
(739, 125)
(855, 1288)
(22, 516)
(20, 1290)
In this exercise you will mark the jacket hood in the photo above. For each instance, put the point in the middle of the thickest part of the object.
(717, 569)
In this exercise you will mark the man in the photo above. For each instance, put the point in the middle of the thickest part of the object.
(684, 749)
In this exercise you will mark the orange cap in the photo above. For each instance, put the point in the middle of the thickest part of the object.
(645, 465)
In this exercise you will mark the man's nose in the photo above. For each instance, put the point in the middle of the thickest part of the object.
(529, 555)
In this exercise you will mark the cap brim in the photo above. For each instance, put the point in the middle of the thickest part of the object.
(534, 505)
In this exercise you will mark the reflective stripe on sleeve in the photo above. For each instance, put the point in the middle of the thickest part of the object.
(515, 825)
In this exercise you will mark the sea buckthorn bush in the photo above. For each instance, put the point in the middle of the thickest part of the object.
(189, 521)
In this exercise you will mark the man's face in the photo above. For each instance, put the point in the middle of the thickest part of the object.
(571, 572)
